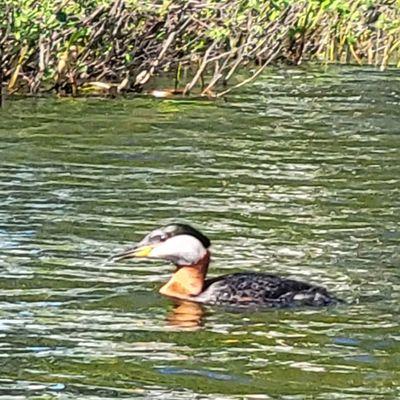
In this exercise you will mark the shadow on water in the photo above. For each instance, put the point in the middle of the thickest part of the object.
(296, 175)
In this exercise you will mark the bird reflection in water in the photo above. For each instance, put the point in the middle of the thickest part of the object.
(186, 314)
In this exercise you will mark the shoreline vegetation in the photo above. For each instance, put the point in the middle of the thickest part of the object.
(107, 47)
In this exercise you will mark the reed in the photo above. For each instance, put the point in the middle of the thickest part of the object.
(73, 47)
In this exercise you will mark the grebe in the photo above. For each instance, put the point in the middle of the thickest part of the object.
(188, 249)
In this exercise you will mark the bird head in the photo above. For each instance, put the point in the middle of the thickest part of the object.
(180, 244)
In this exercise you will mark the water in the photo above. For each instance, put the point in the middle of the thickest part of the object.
(296, 175)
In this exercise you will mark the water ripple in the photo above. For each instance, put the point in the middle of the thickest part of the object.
(295, 175)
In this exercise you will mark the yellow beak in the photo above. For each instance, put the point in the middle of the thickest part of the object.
(141, 251)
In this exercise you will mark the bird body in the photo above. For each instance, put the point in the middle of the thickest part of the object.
(188, 249)
(260, 289)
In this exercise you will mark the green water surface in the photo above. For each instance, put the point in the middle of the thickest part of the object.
(296, 175)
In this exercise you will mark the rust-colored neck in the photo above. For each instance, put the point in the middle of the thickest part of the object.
(188, 280)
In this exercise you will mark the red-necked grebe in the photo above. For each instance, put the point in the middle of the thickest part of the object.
(188, 249)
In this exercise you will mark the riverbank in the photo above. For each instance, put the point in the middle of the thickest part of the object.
(110, 47)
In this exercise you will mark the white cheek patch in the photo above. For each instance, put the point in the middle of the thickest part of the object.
(181, 249)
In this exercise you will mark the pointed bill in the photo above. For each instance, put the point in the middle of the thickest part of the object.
(135, 252)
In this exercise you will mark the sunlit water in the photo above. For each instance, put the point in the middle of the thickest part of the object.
(296, 175)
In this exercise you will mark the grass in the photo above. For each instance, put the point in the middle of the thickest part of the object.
(74, 47)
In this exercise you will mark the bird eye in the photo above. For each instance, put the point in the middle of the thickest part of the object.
(158, 238)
